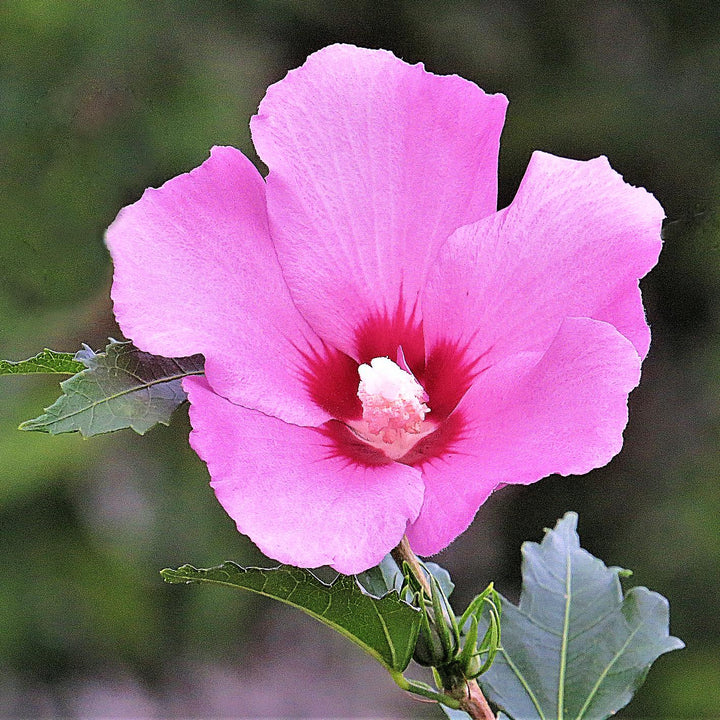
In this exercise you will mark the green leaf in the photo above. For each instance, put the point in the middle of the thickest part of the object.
(574, 648)
(386, 627)
(119, 388)
(47, 361)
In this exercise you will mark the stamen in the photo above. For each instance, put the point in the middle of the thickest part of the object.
(393, 400)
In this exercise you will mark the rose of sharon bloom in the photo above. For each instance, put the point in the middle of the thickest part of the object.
(383, 348)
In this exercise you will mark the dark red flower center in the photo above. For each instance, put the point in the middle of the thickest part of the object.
(406, 433)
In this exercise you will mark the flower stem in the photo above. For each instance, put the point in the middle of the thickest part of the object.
(403, 553)
(475, 704)
(467, 694)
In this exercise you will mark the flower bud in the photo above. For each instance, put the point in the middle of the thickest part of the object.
(439, 638)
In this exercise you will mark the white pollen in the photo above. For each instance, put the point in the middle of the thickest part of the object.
(393, 400)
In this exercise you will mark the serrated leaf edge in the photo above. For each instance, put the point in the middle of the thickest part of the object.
(107, 398)
(176, 576)
(35, 424)
(67, 357)
(570, 520)
(678, 645)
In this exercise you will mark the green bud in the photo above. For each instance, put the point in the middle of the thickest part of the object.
(439, 637)
(429, 650)
(477, 656)
(468, 658)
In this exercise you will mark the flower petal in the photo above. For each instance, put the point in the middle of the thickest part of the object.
(529, 416)
(298, 500)
(373, 163)
(626, 312)
(195, 272)
(573, 243)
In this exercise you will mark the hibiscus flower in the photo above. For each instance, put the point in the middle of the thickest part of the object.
(383, 348)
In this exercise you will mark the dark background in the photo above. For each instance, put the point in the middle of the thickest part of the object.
(99, 101)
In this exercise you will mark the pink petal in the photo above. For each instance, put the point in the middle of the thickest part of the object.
(288, 488)
(626, 312)
(532, 415)
(195, 272)
(373, 163)
(573, 243)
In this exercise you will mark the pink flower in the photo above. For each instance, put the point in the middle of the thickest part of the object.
(383, 349)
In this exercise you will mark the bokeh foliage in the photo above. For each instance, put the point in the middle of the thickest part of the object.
(100, 100)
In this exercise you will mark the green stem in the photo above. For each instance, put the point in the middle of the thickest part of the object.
(466, 695)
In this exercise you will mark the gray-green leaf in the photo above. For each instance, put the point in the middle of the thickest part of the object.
(387, 576)
(381, 579)
(47, 361)
(122, 387)
(574, 648)
(386, 627)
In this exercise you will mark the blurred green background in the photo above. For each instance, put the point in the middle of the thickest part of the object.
(99, 101)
